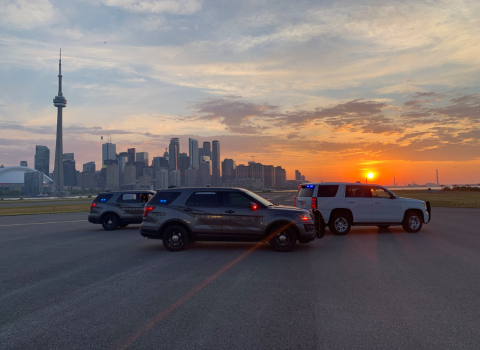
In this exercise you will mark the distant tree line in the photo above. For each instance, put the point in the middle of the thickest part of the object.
(460, 188)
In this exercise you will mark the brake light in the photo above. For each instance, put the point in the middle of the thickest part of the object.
(93, 205)
(295, 202)
(314, 202)
(146, 210)
(305, 218)
(254, 207)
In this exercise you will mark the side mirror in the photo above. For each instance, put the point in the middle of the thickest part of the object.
(392, 196)
(253, 206)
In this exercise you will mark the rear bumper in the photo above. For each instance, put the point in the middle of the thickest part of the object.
(93, 220)
(149, 233)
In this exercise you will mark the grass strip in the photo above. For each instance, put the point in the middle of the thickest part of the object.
(444, 199)
(45, 209)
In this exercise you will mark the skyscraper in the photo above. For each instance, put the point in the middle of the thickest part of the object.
(193, 153)
(143, 156)
(174, 178)
(269, 176)
(183, 162)
(42, 159)
(216, 179)
(69, 171)
(280, 177)
(109, 152)
(89, 167)
(173, 153)
(112, 180)
(207, 150)
(60, 102)
(228, 167)
(298, 175)
(161, 181)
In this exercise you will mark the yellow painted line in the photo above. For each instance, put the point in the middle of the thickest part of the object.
(44, 223)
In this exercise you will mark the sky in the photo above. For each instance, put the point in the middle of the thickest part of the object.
(335, 89)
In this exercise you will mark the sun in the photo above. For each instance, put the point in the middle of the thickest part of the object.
(370, 175)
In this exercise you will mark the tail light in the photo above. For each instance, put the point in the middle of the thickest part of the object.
(93, 205)
(295, 202)
(146, 210)
(305, 218)
(314, 203)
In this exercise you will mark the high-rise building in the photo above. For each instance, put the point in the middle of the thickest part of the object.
(174, 178)
(241, 172)
(200, 157)
(89, 167)
(193, 153)
(172, 156)
(160, 162)
(132, 152)
(303, 178)
(256, 171)
(68, 156)
(130, 175)
(142, 157)
(144, 182)
(33, 183)
(23, 163)
(139, 165)
(183, 162)
(205, 176)
(42, 159)
(161, 180)
(112, 181)
(148, 170)
(109, 152)
(298, 175)
(165, 154)
(207, 150)
(86, 180)
(69, 172)
(269, 176)
(130, 156)
(216, 179)
(60, 102)
(122, 161)
(228, 168)
(280, 177)
(191, 177)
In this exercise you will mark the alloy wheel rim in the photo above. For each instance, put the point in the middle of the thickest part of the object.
(414, 222)
(283, 238)
(175, 239)
(341, 224)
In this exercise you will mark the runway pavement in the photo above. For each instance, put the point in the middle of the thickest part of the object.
(68, 284)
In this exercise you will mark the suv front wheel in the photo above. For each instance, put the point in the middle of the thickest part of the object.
(412, 222)
(284, 239)
(110, 222)
(340, 224)
(175, 238)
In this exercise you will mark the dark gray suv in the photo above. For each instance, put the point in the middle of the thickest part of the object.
(113, 209)
(183, 215)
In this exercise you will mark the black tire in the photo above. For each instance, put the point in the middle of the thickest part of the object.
(340, 224)
(123, 225)
(284, 238)
(175, 238)
(110, 222)
(383, 226)
(412, 222)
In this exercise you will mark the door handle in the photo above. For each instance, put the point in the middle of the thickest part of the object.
(188, 209)
(230, 211)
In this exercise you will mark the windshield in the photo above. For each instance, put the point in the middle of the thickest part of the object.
(259, 199)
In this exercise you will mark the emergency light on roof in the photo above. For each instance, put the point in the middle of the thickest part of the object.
(163, 201)
(310, 186)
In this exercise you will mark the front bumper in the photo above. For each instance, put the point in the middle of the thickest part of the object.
(429, 212)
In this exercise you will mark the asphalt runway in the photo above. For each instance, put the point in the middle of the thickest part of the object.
(13, 204)
(68, 284)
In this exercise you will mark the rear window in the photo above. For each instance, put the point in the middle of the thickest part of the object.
(203, 199)
(104, 197)
(327, 190)
(164, 198)
(306, 191)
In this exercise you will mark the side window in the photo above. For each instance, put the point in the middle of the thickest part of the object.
(327, 190)
(145, 197)
(305, 191)
(203, 199)
(378, 192)
(358, 192)
(164, 198)
(129, 198)
(236, 199)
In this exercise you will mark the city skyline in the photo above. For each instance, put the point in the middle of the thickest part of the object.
(336, 89)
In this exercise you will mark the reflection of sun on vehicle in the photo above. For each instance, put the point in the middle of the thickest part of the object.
(113, 209)
(180, 216)
(345, 204)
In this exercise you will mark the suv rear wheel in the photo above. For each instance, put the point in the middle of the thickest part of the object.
(340, 223)
(285, 238)
(175, 238)
(110, 222)
(412, 222)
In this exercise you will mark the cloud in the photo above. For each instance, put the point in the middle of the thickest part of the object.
(27, 14)
(177, 7)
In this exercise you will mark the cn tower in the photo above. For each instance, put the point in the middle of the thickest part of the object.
(60, 102)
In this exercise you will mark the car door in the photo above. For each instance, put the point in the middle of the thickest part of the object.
(204, 209)
(359, 200)
(238, 218)
(386, 208)
(131, 207)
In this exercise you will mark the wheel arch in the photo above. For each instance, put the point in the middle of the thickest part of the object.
(341, 210)
(110, 212)
(416, 210)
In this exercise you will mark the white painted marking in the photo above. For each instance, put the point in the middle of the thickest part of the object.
(43, 223)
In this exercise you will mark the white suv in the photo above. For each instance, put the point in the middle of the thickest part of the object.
(345, 204)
